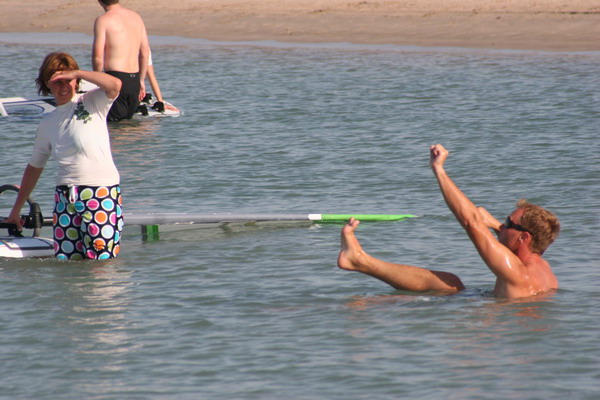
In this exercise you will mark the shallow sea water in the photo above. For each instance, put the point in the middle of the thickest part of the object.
(261, 311)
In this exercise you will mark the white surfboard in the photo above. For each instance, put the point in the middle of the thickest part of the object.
(26, 247)
(25, 107)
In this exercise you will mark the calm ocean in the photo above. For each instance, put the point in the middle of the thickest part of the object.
(262, 312)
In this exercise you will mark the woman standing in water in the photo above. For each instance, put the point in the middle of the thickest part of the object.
(87, 218)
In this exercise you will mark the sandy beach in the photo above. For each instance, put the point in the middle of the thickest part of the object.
(555, 25)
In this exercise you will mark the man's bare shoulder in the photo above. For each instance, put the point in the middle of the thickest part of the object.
(100, 18)
(119, 18)
(543, 275)
(124, 12)
(108, 18)
(536, 277)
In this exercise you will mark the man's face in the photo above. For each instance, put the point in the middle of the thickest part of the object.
(511, 230)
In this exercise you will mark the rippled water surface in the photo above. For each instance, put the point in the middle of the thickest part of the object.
(261, 311)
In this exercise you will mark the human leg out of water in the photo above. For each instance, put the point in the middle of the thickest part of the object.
(352, 257)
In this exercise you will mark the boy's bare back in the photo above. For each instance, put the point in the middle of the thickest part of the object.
(119, 35)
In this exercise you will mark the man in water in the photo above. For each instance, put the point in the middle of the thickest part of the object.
(121, 49)
(515, 257)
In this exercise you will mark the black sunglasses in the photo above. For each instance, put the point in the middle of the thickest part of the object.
(508, 224)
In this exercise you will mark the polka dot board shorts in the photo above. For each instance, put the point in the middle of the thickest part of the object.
(87, 221)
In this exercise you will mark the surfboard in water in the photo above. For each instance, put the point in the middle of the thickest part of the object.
(26, 247)
(27, 107)
(14, 245)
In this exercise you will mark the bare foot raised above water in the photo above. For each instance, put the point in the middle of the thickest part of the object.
(351, 250)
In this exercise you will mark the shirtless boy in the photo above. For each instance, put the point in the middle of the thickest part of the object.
(121, 49)
(515, 257)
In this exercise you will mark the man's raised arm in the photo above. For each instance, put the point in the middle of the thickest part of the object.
(500, 260)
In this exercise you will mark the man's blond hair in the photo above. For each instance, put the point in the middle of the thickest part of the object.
(541, 223)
